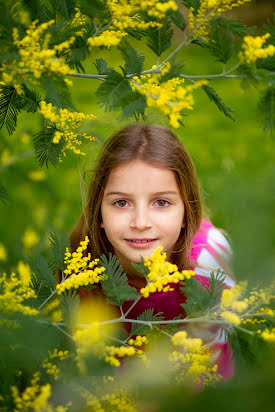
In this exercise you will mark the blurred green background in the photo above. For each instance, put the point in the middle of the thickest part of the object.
(236, 169)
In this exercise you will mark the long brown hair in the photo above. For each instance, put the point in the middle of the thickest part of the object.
(158, 146)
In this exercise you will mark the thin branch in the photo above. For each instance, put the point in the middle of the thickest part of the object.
(131, 307)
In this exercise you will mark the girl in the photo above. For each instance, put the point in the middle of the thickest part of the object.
(145, 194)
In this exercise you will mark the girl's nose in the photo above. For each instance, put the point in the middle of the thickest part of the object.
(141, 219)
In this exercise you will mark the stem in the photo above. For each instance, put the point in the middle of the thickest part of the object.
(48, 298)
(185, 42)
(63, 331)
(131, 307)
(245, 330)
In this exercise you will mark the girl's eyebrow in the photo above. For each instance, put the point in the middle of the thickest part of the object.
(166, 192)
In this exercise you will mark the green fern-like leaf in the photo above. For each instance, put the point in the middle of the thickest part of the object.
(69, 305)
(39, 266)
(195, 4)
(159, 39)
(140, 267)
(58, 247)
(201, 299)
(215, 98)
(267, 64)
(148, 315)
(134, 107)
(113, 91)
(46, 151)
(57, 93)
(64, 8)
(30, 99)
(4, 197)
(266, 107)
(234, 26)
(8, 108)
(102, 66)
(177, 18)
(221, 43)
(116, 286)
(133, 60)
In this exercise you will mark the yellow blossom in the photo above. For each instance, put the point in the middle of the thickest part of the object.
(199, 22)
(24, 272)
(253, 48)
(168, 96)
(268, 335)
(14, 292)
(162, 273)
(37, 175)
(189, 344)
(66, 122)
(30, 238)
(231, 317)
(3, 252)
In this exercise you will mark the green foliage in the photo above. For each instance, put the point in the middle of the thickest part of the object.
(40, 267)
(215, 98)
(201, 299)
(9, 108)
(221, 42)
(133, 60)
(159, 38)
(234, 26)
(113, 91)
(102, 66)
(266, 107)
(140, 267)
(3, 194)
(46, 151)
(195, 4)
(57, 93)
(115, 287)
(58, 246)
(69, 306)
(270, 28)
(267, 64)
(177, 18)
(149, 316)
(64, 8)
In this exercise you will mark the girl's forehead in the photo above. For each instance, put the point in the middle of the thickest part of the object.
(137, 173)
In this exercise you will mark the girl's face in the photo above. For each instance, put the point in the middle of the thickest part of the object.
(141, 209)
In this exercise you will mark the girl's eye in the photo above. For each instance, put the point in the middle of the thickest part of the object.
(120, 203)
(162, 202)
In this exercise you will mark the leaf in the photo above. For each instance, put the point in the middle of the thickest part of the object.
(201, 299)
(221, 43)
(215, 98)
(116, 286)
(46, 151)
(175, 70)
(69, 306)
(133, 60)
(57, 93)
(266, 107)
(270, 28)
(134, 107)
(160, 37)
(64, 8)
(30, 100)
(195, 4)
(140, 267)
(234, 26)
(78, 52)
(177, 18)
(102, 67)
(58, 247)
(267, 64)
(8, 108)
(3, 194)
(96, 9)
(111, 92)
(42, 290)
(42, 271)
(148, 315)
(248, 74)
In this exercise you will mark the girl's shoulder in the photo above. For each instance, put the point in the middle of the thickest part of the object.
(210, 252)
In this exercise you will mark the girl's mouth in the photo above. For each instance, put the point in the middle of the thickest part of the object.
(140, 243)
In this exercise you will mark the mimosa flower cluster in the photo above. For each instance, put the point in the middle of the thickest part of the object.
(113, 353)
(237, 310)
(35, 55)
(126, 15)
(14, 292)
(162, 273)
(169, 96)
(198, 23)
(193, 360)
(66, 122)
(80, 269)
(253, 49)
(49, 365)
(35, 397)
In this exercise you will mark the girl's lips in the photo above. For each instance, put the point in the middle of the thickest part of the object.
(141, 245)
